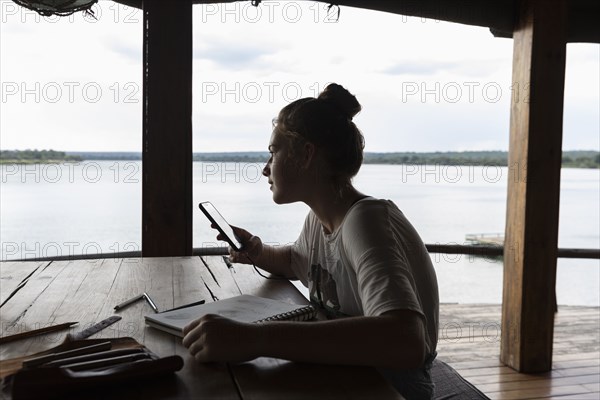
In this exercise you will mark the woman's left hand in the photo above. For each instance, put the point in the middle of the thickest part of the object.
(214, 338)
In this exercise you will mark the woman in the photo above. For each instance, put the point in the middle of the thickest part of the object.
(361, 259)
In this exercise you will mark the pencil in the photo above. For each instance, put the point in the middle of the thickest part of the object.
(187, 305)
(35, 332)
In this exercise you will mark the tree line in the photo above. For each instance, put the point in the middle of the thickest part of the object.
(570, 159)
(35, 156)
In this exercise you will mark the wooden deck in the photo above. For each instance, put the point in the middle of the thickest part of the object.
(470, 342)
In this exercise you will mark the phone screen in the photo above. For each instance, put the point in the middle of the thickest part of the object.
(224, 228)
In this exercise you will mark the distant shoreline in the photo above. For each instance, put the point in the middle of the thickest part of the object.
(570, 159)
(36, 157)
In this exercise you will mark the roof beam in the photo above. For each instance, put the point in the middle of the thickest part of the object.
(498, 15)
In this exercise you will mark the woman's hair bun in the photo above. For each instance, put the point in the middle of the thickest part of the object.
(342, 99)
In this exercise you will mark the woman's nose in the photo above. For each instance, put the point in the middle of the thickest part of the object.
(266, 170)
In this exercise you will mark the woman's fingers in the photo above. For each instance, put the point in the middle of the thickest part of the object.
(192, 332)
(242, 235)
(251, 245)
(216, 338)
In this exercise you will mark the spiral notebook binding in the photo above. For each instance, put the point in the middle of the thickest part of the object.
(299, 314)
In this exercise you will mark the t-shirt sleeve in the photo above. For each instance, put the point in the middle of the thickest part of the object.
(301, 251)
(383, 273)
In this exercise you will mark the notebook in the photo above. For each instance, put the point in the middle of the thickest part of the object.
(244, 308)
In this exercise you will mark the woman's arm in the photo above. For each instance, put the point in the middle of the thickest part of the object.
(395, 339)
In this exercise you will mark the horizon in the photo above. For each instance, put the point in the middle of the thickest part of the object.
(266, 151)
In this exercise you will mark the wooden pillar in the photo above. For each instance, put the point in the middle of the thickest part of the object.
(533, 185)
(167, 129)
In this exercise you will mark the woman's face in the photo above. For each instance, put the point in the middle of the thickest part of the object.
(281, 170)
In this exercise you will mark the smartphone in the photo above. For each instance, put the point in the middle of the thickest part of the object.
(219, 222)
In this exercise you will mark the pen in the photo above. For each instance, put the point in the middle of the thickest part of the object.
(149, 300)
(130, 301)
(187, 305)
(35, 332)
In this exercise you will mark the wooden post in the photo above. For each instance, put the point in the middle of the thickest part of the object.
(533, 185)
(167, 129)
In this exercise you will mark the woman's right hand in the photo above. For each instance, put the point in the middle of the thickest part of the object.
(251, 250)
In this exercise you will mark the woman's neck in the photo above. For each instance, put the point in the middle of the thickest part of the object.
(330, 206)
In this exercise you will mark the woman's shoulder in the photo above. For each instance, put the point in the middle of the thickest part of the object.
(369, 204)
(371, 211)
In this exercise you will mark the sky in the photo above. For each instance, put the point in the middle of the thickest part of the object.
(74, 83)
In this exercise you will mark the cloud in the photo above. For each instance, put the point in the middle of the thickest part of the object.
(231, 54)
(463, 67)
(419, 68)
(129, 51)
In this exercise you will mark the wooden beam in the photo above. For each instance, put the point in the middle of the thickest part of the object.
(498, 15)
(533, 186)
(167, 129)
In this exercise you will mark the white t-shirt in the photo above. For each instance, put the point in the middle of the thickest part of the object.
(373, 263)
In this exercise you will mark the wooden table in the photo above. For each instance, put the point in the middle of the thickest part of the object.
(87, 290)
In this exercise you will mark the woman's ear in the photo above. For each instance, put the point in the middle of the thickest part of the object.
(308, 155)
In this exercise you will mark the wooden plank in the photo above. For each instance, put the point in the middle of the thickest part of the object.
(17, 306)
(217, 278)
(212, 380)
(214, 282)
(188, 281)
(500, 378)
(579, 396)
(167, 129)
(464, 365)
(13, 273)
(593, 386)
(173, 282)
(90, 297)
(539, 383)
(33, 305)
(578, 356)
(533, 185)
(161, 278)
(575, 363)
(159, 286)
(132, 279)
(539, 392)
(487, 371)
(500, 375)
(579, 371)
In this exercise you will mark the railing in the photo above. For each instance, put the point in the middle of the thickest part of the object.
(476, 250)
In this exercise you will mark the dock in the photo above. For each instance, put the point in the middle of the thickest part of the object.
(489, 239)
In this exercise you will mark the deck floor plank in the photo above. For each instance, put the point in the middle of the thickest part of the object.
(541, 383)
(580, 396)
(469, 340)
(539, 392)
